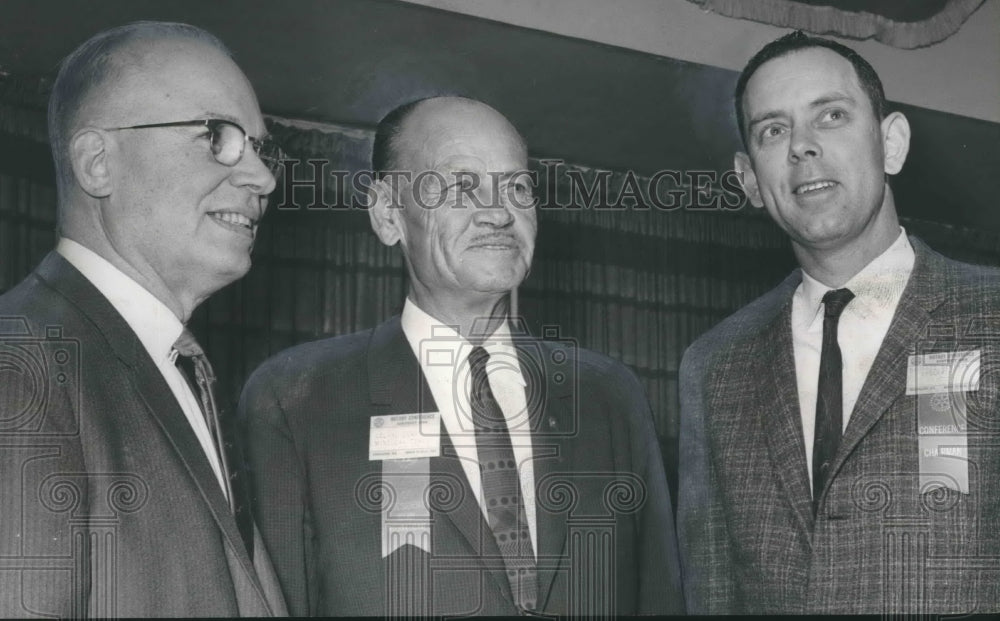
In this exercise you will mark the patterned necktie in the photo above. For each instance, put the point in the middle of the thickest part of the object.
(501, 486)
(829, 393)
(192, 355)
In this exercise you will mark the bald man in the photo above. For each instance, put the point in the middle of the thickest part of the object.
(444, 462)
(120, 492)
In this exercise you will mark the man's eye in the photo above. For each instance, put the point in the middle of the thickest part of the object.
(834, 115)
(772, 131)
(465, 182)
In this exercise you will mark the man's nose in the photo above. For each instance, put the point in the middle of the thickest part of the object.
(252, 172)
(492, 207)
(803, 144)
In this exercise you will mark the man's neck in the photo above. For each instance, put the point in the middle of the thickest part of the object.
(179, 305)
(834, 267)
(474, 320)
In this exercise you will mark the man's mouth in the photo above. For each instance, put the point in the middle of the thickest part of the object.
(814, 186)
(495, 243)
(233, 219)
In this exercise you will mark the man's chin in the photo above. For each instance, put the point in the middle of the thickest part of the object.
(228, 269)
(495, 284)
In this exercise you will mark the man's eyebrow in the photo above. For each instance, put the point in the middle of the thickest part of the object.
(235, 121)
(221, 117)
(816, 103)
(831, 98)
(767, 116)
(508, 175)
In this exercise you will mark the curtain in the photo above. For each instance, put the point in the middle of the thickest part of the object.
(908, 25)
(636, 284)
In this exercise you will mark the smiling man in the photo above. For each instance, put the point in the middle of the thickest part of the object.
(121, 496)
(839, 434)
(445, 463)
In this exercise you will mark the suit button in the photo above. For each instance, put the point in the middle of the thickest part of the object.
(824, 466)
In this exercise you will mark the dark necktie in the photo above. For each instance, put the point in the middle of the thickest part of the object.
(501, 486)
(829, 393)
(192, 355)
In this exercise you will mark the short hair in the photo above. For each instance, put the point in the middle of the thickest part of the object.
(385, 152)
(799, 40)
(91, 67)
(385, 147)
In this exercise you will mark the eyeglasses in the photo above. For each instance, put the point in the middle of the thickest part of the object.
(228, 142)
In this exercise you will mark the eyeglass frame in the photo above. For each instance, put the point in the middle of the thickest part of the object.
(273, 164)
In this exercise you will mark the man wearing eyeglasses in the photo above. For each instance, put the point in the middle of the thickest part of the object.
(120, 487)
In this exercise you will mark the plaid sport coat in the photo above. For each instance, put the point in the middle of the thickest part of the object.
(881, 542)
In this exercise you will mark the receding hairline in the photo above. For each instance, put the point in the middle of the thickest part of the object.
(98, 65)
(437, 105)
(141, 60)
(126, 49)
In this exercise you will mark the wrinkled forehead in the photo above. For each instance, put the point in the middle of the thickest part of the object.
(180, 78)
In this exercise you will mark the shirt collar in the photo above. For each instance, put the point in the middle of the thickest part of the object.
(877, 287)
(443, 348)
(156, 325)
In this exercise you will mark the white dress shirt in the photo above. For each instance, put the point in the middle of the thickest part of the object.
(444, 359)
(157, 328)
(863, 325)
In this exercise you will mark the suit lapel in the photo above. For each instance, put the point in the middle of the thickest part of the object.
(151, 389)
(886, 381)
(466, 516)
(397, 382)
(551, 411)
(773, 359)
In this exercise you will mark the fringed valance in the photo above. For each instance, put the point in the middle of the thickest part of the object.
(904, 25)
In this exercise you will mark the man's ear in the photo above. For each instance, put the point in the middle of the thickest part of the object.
(88, 153)
(385, 215)
(895, 141)
(748, 180)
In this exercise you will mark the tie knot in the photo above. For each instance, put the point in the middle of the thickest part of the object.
(480, 393)
(477, 361)
(187, 346)
(835, 301)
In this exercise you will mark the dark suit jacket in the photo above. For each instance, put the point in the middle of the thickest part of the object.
(605, 531)
(109, 506)
(880, 543)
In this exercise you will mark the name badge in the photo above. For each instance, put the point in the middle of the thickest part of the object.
(405, 436)
(951, 371)
(940, 382)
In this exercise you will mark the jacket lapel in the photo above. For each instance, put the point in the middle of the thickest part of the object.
(397, 382)
(773, 359)
(551, 406)
(886, 381)
(152, 390)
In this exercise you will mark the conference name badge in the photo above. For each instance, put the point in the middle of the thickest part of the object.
(405, 436)
(404, 443)
(941, 382)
